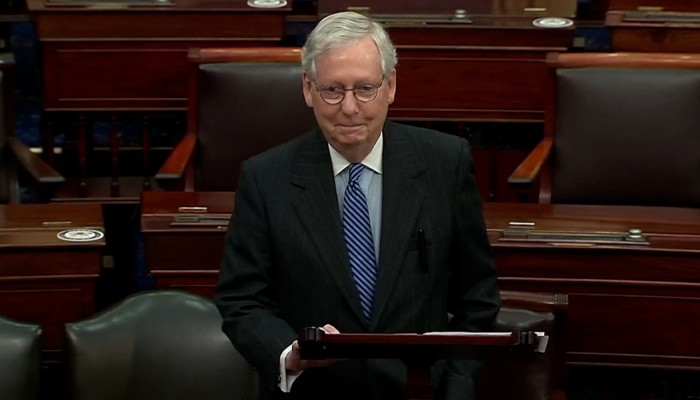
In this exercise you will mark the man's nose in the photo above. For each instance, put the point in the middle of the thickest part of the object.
(349, 103)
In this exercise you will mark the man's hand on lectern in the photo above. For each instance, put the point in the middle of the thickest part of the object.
(294, 363)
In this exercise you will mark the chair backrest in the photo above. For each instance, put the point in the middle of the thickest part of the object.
(165, 345)
(626, 128)
(20, 360)
(542, 378)
(242, 101)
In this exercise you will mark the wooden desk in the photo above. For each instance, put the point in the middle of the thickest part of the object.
(630, 303)
(487, 65)
(133, 55)
(44, 279)
(654, 25)
(653, 35)
(183, 243)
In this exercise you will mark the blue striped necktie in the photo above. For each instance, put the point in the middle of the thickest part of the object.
(358, 238)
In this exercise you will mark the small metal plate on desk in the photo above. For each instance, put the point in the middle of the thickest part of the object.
(552, 22)
(109, 4)
(633, 237)
(662, 16)
(422, 20)
(267, 3)
(80, 235)
(194, 220)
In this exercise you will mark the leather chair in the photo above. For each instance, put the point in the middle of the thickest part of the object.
(620, 128)
(542, 378)
(20, 360)
(242, 101)
(19, 167)
(165, 345)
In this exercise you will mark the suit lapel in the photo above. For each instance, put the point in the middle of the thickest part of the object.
(402, 200)
(316, 205)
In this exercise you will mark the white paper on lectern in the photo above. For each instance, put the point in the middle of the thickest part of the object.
(541, 344)
(451, 333)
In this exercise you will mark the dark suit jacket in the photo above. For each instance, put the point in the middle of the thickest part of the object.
(285, 265)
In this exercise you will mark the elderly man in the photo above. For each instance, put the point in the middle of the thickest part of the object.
(361, 225)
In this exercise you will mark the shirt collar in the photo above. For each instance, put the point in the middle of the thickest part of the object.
(373, 160)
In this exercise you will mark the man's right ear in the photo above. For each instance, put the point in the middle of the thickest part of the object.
(307, 89)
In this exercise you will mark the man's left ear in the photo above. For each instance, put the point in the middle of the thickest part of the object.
(391, 82)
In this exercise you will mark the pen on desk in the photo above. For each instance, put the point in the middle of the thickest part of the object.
(422, 251)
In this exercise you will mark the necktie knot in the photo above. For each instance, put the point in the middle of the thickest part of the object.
(355, 172)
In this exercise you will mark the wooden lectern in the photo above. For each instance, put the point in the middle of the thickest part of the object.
(419, 351)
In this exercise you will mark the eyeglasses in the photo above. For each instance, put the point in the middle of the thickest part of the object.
(334, 94)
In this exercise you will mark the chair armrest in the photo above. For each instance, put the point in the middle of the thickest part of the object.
(529, 169)
(39, 170)
(172, 174)
(45, 180)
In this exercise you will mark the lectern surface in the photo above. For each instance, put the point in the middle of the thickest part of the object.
(316, 344)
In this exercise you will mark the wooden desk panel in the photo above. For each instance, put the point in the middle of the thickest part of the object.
(651, 39)
(185, 260)
(44, 279)
(676, 5)
(50, 304)
(141, 75)
(185, 255)
(232, 21)
(469, 85)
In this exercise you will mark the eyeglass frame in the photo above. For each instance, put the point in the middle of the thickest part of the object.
(353, 89)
